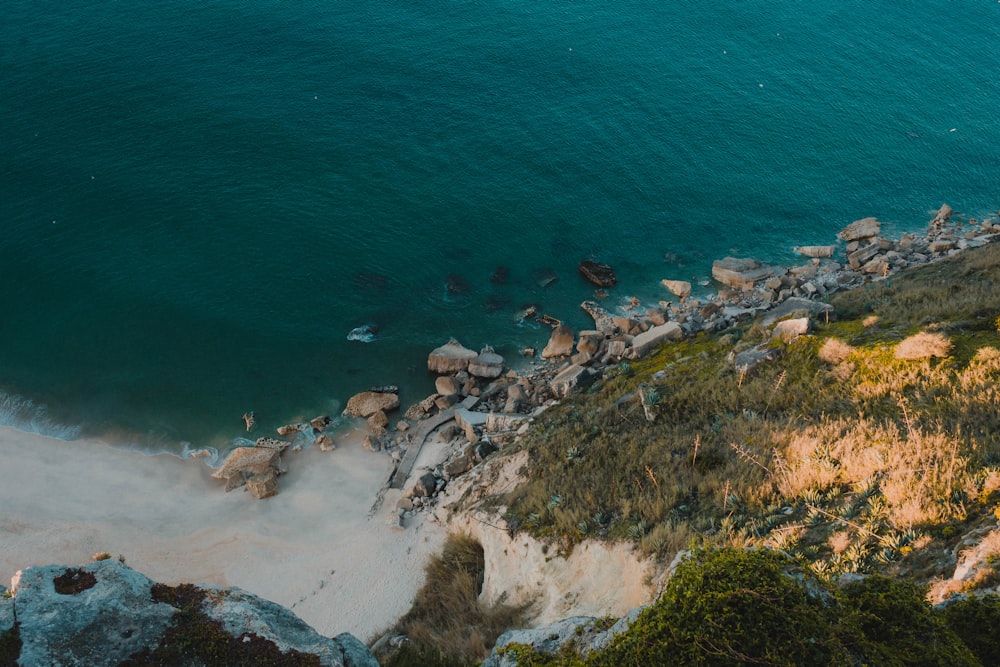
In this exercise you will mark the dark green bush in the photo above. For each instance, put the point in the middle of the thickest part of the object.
(976, 620)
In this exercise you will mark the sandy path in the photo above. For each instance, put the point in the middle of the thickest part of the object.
(312, 548)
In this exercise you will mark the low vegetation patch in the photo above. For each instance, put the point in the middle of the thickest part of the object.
(195, 638)
(73, 581)
(447, 625)
(739, 607)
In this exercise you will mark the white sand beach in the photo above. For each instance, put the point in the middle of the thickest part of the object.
(313, 548)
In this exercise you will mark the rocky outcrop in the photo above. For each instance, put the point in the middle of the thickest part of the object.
(598, 274)
(451, 357)
(368, 403)
(865, 228)
(654, 337)
(105, 613)
(822, 251)
(256, 467)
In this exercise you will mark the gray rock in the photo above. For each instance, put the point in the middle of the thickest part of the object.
(795, 306)
(601, 317)
(449, 358)
(488, 364)
(862, 255)
(101, 625)
(572, 377)
(647, 340)
(425, 485)
(590, 342)
(942, 216)
(748, 360)
(789, 330)
(742, 273)
(547, 639)
(353, 652)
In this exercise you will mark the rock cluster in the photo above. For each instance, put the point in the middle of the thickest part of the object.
(113, 617)
(255, 467)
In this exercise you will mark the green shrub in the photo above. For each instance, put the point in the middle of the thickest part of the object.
(732, 607)
(976, 620)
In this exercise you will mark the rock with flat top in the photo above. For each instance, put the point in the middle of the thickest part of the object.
(815, 250)
(447, 385)
(789, 330)
(368, 403)
(488, 364)
(648, 340)
(742, 273)
(451, 357)
(864, 228)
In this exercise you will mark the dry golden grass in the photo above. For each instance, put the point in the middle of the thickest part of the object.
(923, 346)
(835, 351)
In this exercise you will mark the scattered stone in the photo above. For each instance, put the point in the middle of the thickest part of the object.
(425, 485)
(560, 343)
(679, 288)
(368, 403)
(598, 274)
(450, 358)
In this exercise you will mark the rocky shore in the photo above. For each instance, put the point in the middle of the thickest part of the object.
(481, 404)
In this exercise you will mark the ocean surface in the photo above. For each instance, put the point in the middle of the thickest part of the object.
(200, 201)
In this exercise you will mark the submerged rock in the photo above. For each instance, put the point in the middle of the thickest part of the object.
(598, 274)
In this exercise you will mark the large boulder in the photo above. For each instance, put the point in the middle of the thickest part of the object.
(257, 467)
(560, 343)
(488, 364)
(451, 357)
(648, 340)
(864, 228)
(598, 274)
(680, 288)
(368, 403)
(815, 250)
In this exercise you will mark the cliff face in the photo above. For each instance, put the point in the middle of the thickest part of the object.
(106, 613)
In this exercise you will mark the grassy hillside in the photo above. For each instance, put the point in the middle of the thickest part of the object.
(870, 440)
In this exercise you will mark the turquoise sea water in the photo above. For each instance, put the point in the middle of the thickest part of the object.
(198, 201)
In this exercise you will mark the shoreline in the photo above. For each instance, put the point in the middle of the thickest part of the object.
(313, 549)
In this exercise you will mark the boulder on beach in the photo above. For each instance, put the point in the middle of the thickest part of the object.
(865, 228)
(560, 343)
(368, 403)
(450, 358)
(488, 364)
(320, 423)
(598, 274)
(257, 467)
